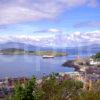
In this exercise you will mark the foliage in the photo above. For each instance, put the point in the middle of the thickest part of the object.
(96, 57)
(55, 90)
(89, 95)
(52, 88)
(27, 92)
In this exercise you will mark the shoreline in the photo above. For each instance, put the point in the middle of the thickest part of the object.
(14, 51)
(70, 64)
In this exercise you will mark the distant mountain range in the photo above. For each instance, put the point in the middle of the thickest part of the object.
(24, 46)
(18, 45)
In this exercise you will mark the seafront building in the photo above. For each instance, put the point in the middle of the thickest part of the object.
(92, 62)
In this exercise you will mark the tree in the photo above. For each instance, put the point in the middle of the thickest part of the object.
(53, 89)
(29, 91)
(97, 56)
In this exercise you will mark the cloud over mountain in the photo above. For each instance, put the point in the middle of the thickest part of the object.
(59, 40)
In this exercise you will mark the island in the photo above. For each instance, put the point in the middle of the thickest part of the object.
(43, 53)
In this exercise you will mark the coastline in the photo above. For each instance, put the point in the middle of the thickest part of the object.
(70, 64)
(14, 51)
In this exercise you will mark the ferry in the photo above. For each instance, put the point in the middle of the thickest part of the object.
(47, 56)
(1, 53)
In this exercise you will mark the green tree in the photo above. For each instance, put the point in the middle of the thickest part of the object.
(29, 91)
(19, 93)
(97, 56)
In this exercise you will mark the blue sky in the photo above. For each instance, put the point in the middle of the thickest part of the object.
(28, 16)
(50, 22)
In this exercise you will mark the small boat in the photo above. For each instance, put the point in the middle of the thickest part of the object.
(47, 56)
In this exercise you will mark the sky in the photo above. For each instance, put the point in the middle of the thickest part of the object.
(43, 18)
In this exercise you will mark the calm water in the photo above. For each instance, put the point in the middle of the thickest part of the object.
(28, 65)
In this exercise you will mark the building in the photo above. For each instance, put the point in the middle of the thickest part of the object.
(92, 62)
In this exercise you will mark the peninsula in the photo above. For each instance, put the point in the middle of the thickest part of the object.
(87, 65)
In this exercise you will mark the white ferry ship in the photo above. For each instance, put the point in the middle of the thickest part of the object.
(48, 56)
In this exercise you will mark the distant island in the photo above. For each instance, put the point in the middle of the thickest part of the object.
(14, 51)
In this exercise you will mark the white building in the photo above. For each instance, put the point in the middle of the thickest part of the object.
(92, 62)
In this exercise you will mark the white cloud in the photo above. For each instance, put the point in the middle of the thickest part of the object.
(93, 3)
(87, 38)
(51, 30)
(61, 40)
(54, 30)
(16, 11)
